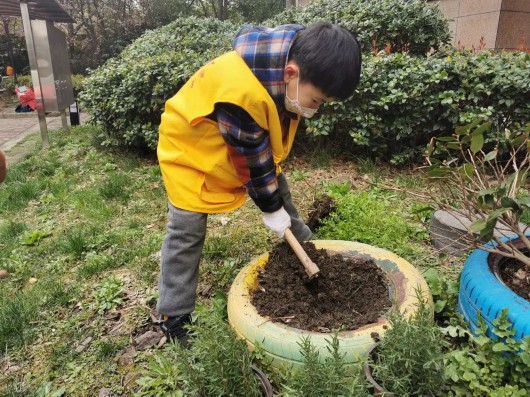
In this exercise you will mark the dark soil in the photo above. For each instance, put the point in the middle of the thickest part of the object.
(320, 210)
(516, 276)
(350, 292)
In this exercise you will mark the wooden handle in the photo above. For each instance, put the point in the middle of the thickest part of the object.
(311, 268)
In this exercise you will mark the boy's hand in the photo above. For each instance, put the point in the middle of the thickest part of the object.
(277, 221)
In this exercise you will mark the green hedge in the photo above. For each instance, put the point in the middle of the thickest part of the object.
(402, 100)
(126, 95)
(407, 25)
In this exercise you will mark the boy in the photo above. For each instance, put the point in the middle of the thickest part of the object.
(224, 134)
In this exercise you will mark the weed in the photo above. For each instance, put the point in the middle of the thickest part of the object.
(75, 243)
(107, 348)
(94, 264)
(161, 377)
(18, 195)
(115, 187)
(17, 389)
(10, 230)
(107, 295)
(224, 272)
(17, 310)
(298, 175)
(34, 237)
(217, 247)
(444, 293)
(367, 218)
(367, 166)
(89, 203)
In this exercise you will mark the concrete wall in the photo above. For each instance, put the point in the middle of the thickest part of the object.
(502, 23)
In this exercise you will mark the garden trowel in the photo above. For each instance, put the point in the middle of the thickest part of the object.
(310, 267)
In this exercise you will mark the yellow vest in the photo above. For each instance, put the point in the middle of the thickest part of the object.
(194, 160)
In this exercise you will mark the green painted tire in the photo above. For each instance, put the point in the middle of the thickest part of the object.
(280, 342)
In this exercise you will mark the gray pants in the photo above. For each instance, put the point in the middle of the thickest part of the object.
(181, 252)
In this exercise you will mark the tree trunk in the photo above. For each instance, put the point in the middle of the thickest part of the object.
(5, 22)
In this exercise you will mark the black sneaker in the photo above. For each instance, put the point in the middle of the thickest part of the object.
(175, 330)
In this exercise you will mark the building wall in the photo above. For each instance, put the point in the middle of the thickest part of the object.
(501, 23)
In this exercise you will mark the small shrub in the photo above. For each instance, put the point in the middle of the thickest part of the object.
(402, 101)
(126, 96)
(409, 357)
(329, 378)
(403, 25)
(218, 364)
(483, 366)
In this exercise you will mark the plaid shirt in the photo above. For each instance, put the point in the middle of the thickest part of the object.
(265, 51)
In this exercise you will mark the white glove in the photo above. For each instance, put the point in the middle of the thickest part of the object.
(277, 221)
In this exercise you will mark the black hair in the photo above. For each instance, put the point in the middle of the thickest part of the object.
(329, 57)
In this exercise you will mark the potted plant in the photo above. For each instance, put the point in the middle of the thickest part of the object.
(408, 360)
(484, 180)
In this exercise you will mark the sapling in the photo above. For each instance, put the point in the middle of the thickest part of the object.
(485, 186)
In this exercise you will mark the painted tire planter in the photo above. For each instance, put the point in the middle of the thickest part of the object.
(280, 342)
(482, 291)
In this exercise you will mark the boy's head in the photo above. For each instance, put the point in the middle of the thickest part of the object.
(326, 57)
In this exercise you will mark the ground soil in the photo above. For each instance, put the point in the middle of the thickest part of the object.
(350, 292)
(517, 277)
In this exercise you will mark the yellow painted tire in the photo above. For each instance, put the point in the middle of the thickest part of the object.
(281, 342)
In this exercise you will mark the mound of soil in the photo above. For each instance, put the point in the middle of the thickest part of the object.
(320, 209)
(350, 292)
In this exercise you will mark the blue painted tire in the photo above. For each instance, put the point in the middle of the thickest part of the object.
(481, 291)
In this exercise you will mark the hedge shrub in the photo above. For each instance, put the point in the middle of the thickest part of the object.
(407, 25)
(126, 95)
(402, 100)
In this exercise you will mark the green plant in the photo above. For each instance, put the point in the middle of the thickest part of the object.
(218, 364)
(107, 295)
(390, 116)
(369, 218)
(75, 242)
(473, 180)
(329, 378)
(409, 358)
(444, 293)
(34, 237)
(17, 310)
(161, 377)
(482, 366)
(116, 186)
(9, 230)
(404, 25)
(126, 96)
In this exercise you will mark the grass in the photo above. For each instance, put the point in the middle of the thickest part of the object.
(80, 233)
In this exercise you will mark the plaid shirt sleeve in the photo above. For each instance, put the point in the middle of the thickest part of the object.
(251, 154)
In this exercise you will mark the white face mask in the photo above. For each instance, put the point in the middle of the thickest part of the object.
(293, 105)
